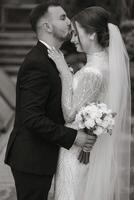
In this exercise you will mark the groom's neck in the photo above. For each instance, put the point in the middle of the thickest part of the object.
(52, 42)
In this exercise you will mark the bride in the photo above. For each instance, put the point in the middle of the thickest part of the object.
(104, 78)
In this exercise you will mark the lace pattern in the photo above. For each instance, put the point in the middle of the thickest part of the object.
(83, 88)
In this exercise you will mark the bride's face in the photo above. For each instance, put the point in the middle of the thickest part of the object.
(75, 39)
(80, 38)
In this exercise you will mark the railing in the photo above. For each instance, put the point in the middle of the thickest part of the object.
(15, 16)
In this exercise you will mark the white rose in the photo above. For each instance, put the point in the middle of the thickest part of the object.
(90, 123)
(99, 113)
(98, 131)
(109, 111)
(105, 124)
(107, 118)
(98, 121)
(85, 114)
(92, 107)
(95, 114)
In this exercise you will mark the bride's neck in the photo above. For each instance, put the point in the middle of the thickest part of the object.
(94, 48)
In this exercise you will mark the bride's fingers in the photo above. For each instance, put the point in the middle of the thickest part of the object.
(51, 56)
(54, 54)
(55, 51)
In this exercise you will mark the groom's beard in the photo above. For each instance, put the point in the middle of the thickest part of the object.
(62, 36)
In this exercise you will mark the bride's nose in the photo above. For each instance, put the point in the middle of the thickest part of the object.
(68, 21)
(72, 38)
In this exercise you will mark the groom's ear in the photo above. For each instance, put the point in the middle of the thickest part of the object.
(48, 27)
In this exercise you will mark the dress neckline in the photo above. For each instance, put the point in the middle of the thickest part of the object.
(93, 60)
(95, 55)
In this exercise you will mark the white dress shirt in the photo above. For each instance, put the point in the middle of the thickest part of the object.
(45, 44)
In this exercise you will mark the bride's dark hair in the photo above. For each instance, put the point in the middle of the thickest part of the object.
(95, 19)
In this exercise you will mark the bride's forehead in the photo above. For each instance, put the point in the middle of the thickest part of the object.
(75, 26)
(56, 11)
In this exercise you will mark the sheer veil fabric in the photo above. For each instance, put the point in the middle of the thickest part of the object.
(109, 169)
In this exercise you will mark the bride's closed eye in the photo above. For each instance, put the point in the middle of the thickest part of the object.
(74, 38)
(73, 32)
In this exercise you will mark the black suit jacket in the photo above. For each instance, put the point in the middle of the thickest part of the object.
(38, 129)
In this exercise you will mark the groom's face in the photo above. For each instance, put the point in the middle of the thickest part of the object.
(61, 26)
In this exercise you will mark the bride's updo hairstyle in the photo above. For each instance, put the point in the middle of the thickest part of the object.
(95, 19)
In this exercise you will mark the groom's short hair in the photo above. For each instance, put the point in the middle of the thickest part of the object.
(40, 10)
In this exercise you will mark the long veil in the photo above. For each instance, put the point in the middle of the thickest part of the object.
(109, 169)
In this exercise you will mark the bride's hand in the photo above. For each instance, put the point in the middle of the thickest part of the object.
(58, 57)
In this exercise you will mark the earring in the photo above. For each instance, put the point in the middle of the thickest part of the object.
(92, 36)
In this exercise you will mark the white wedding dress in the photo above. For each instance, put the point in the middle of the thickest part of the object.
(89, 84)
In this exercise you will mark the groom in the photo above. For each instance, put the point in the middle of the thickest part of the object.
(39, 131)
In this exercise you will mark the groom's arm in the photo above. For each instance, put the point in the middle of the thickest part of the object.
(34, 89)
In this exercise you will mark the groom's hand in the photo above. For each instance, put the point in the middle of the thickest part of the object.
(85, 140)
(80, 138)
(89, 143)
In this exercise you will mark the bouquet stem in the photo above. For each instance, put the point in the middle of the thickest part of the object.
(84, 155)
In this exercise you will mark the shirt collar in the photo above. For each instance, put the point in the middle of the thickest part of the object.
(45, 44)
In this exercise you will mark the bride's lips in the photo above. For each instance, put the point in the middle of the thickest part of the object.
(76, 44)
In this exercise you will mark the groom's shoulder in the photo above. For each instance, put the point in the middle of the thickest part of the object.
(33, 54)
(33, 57)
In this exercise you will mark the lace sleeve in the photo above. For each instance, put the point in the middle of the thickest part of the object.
(87, 90)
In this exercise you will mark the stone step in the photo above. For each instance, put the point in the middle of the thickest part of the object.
(16, 26)
(17, 35)
(18, 43)
(13, 48)
(12, 70)
(13, 52)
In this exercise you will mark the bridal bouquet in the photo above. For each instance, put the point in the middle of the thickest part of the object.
(96, 119)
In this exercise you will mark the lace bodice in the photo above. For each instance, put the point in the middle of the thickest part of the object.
(85, 86)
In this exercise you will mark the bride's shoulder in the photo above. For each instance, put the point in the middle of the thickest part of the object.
(92, 71)
(88, 74)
